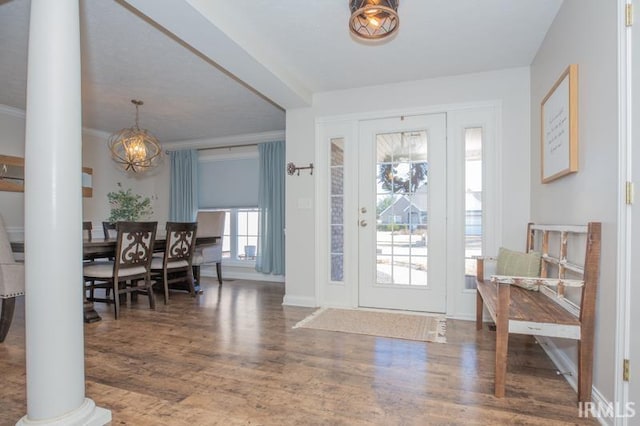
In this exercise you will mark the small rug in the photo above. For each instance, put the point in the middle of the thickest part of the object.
(409, 326)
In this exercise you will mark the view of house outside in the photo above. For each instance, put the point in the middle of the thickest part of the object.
(473, 203)
(402, 192)
(402, 208)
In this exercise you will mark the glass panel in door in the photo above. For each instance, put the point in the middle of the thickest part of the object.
(402, 214)
(402, 207)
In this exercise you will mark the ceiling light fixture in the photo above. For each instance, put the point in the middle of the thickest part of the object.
(134, 149)
(373, 19)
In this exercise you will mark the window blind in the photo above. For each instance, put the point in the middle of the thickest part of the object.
(228, 182)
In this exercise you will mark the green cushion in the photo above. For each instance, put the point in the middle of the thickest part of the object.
(518, 264)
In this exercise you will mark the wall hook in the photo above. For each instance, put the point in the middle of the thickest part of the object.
(291, 168)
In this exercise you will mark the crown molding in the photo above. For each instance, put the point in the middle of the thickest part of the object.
(244, 139)
(226, 141)
(14, 112)
(19, 113)
(96, 133)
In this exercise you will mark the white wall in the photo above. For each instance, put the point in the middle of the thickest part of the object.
(584, 33)
(510, 88)
(300, 267)
(105, 177)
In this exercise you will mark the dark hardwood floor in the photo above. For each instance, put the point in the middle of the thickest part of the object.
(231, 357)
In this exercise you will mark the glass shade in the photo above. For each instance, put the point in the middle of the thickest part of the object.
(373, 19)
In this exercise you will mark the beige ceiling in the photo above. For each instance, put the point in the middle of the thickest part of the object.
(179, 56)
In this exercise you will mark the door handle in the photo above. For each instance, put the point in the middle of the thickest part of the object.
(363, 223)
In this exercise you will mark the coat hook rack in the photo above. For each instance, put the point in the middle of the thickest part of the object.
(291, 168)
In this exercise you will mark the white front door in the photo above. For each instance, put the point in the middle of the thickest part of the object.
(402, 213)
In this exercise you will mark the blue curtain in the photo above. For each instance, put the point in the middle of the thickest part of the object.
(270, 258)
(183, 193)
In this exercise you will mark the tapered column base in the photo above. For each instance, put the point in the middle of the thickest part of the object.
(86, 415)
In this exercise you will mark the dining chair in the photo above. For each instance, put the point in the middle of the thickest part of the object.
(130, 271)
(210, 224)
(175, 266)
(11, 281)
(109, 230)
(87, 228)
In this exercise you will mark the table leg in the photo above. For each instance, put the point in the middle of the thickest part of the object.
(89, 314)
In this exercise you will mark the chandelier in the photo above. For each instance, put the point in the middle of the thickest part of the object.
(373, 19)
(133, 149)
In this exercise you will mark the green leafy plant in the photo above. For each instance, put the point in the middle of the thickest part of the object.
(127, 206)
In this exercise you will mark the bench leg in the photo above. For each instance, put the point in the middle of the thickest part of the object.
(585, 371)
(479, 309)
(502, 345)
(502, 339)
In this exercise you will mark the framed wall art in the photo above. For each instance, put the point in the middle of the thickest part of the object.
(559, 127)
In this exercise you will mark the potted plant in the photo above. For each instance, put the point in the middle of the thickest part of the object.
(127, 206)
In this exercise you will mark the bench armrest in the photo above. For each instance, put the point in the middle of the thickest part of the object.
(485, 267)
(487, 258)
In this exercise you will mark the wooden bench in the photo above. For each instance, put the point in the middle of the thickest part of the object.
(547, 312)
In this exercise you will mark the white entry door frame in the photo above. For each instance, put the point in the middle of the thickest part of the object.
(336, 275)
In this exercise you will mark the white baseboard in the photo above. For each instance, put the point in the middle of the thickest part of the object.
(240, 274)
(562, 362)
(565, 365)
(463, 317)
(307, 302)
(601, 401)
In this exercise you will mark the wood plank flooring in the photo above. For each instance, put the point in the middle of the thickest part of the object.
(231, 357)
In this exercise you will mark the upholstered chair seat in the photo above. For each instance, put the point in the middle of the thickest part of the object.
(105, 270)
(157, 263)
(11, 281)
(210, 224)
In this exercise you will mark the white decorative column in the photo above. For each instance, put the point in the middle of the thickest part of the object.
(53, 218)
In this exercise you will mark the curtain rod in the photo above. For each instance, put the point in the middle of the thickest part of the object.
(217, 147)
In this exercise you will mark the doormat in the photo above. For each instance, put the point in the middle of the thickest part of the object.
(409, 326)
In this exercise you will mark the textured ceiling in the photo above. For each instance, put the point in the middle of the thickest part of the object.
(305, 44)
(126, 57)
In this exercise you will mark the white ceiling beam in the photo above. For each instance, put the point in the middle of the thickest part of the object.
(197, 26)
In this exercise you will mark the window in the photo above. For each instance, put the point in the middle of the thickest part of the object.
(246, 233)
(228, 181)
(240, 238)
(473, 203)
(337, 209)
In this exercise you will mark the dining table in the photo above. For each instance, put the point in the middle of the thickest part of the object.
(105, 248)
